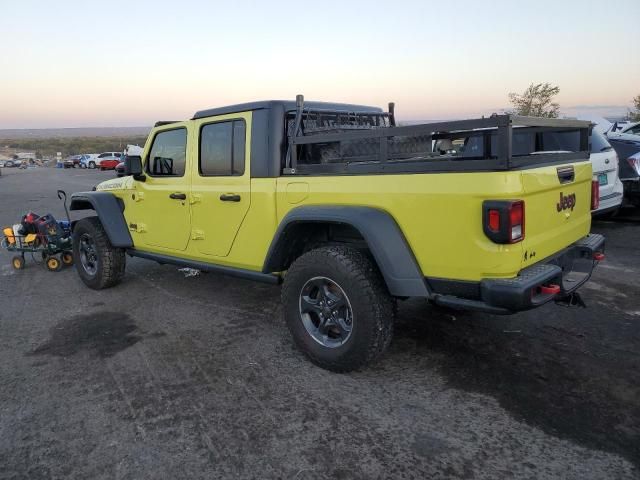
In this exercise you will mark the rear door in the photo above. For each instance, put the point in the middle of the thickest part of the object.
(221, 186)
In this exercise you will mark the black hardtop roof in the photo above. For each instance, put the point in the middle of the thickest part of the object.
(289, 105)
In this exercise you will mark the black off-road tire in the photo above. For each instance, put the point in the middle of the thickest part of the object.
(110, 261)
(372, 306)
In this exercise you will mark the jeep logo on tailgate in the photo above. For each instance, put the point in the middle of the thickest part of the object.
(566, 202)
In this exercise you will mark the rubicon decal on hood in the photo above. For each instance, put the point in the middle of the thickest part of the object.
(567, 202)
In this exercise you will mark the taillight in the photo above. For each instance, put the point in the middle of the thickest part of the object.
(595, 194)
(503, 220)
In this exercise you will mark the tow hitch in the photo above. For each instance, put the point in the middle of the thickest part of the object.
(571, 300)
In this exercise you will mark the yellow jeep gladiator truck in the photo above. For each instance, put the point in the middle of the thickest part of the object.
(352, 212)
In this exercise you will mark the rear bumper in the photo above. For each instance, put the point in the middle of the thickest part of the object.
(553, 278)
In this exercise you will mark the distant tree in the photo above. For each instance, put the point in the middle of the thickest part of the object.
(634, 115)
(536, 101)
(14, 156)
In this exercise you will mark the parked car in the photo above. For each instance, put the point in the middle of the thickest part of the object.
(120, 169)
(86, 158)
(72, 162)
(604, 162)
(355, 222)
(1, 163)
(628, 132)
(109, 163)
(630, 177)
(626, 143)
(619, 125)
(107, 160)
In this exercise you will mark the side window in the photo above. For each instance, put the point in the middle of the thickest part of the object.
(168, 154)
(222, 148)
(102, 155)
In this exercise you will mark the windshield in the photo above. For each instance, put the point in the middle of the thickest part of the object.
(599, 143)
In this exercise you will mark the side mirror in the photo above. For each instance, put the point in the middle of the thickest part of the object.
(133, 166)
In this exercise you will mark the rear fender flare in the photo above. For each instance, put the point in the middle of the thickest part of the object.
(380, 231)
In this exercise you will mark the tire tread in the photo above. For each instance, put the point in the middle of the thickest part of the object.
(112, 260)
(366, 280)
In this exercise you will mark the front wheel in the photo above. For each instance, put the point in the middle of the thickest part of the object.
(99, 264)
(338, 308)
(92, 165)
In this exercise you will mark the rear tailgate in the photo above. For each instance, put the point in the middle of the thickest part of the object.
(557, 208)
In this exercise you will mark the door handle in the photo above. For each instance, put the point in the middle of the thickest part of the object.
(230, 197)
(178, 196)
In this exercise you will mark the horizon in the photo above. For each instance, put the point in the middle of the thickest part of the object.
(155, 63)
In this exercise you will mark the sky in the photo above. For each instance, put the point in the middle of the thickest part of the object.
(68, 63)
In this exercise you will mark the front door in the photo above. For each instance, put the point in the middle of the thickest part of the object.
(161, 213)
(221, 186)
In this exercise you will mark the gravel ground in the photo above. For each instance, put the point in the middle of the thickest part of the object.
(175, 376)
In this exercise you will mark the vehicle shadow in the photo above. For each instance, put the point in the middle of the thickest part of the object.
(545, 369)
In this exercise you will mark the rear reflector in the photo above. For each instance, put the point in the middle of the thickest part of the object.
(494, 220)
(503, 220)
(598, 256)
(595, 195)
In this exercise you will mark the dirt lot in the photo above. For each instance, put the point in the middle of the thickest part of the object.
(167, 376)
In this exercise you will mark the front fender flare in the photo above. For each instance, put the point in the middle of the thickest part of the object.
(109, 209)
(382, 234)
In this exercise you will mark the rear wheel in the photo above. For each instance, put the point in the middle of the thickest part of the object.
(99, 264)
(92, 164)
(337, 308)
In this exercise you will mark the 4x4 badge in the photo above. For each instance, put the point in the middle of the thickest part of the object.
(566, 202)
